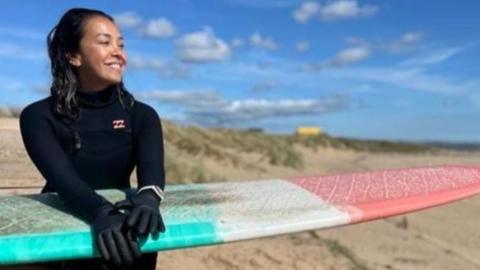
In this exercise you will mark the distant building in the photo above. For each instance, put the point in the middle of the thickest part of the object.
(309, 131)
(255, 130)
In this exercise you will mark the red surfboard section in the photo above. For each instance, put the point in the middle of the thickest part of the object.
(371, 195)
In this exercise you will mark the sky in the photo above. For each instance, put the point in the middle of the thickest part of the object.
(398, 70)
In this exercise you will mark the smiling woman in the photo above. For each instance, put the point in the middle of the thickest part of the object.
(100, 60)
(90, 133)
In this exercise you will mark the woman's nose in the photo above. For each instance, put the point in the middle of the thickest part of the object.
(117, 50)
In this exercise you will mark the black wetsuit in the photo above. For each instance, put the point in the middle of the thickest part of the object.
(110, 140)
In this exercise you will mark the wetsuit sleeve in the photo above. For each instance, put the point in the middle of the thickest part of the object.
(53, 163)
(150, 166)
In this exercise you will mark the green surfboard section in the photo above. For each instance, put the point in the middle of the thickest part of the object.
(36, 228)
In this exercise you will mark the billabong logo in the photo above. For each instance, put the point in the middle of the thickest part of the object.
(118, 124)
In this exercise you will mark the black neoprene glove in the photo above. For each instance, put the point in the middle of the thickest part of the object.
(143, 213)
(116, 244)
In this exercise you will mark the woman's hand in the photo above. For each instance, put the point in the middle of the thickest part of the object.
(115, 243)
(143, 213)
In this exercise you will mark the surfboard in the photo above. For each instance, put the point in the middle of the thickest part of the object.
(35, 228)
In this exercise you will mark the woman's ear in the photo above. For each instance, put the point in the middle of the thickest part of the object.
(74, 59)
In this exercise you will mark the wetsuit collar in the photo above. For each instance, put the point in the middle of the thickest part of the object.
(99, 98)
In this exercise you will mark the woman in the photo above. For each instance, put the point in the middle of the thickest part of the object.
(90, 133)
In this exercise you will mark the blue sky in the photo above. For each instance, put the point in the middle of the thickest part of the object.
(400, 70)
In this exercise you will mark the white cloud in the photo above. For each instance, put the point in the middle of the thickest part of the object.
(187, 98)
(237, 43)
(159, 28)
(405, 43)
(433, 57)
(127, 19)
(238, 111)
(255, 40)
(405, 78)
(381, 77)
(354, 41)
(208, 107)
(265, 4)
(166, 68)
(302, 46)
(138, 62)
(306, 11)
(265, 85)
(332, 11)
(154, 28)
(15, 31)
(9, 50)
(348, 56)
(258, 41)
(378, 77)
(202, 46)
(411, 37)
(343, 9)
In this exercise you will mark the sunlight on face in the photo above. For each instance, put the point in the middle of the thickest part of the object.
(102, 56)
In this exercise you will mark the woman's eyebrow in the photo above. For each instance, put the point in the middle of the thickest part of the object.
(108, 35)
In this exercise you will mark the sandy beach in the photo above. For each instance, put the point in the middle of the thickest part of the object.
(441, 238)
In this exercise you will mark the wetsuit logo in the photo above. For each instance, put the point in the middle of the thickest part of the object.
(118, 124)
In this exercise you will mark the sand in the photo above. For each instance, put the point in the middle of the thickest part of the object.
(445, 237)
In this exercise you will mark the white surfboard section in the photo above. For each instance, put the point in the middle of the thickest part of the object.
(270, 207)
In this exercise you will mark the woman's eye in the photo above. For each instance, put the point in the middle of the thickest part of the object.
(108, 43)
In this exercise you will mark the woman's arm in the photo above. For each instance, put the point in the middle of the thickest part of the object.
(144, 212)
(150, 156)
(55, 166)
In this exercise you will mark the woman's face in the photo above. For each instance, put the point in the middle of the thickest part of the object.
(101, 59)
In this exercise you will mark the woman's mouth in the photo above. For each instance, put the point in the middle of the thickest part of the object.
(115, 66)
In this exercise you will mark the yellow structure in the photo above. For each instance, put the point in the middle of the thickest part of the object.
(309, 131)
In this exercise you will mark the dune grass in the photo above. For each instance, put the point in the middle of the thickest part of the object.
(375, 146)
(229, 146)
(10, 111)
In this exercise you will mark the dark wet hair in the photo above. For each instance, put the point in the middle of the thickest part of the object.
(65, 38)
